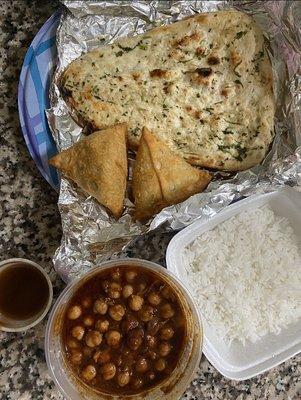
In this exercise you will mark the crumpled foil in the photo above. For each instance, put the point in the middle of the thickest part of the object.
(90, 235)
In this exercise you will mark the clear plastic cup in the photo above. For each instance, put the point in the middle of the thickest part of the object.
(170, 389)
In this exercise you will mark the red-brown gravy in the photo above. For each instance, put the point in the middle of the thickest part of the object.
(124, 330)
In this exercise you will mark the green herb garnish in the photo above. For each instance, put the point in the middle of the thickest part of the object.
(238, 82)
(232, 122)
(142, 47)
(240, 34)
(126, 49)
(234, 70)
(135, 131)
(227, 132)
(209, 110)
(241, 151)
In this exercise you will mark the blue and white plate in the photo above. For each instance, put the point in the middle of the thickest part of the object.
(33, 98)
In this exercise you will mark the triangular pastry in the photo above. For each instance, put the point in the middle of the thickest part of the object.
(98, 165)
(162, 178)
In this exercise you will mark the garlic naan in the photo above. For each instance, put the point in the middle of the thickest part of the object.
(204, 85)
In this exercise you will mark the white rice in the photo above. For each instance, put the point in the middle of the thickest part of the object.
(246, 275)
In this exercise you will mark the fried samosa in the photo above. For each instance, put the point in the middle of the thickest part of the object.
(162, 178)
(98, 165)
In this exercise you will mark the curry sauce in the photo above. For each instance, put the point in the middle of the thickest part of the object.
(124, 331)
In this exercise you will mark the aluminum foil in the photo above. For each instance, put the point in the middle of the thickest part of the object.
(90, 235)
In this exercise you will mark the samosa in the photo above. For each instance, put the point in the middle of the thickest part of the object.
(98, 165)
(162, 178)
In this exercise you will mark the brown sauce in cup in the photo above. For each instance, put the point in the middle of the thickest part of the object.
(23, 291)
(124, 331)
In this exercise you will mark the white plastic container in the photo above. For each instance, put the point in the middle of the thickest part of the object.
(240, 362)
(171, 389)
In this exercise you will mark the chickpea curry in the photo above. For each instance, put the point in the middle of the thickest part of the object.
(124, 330)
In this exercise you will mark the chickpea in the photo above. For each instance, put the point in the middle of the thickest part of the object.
(108, 371)
(119, 360)
(141, 287)
(167, 311)
(166, 293)
(102, 356)
(86, 302)
(72, 344)
(166, 333)
(93, 338)
(136, 302)
(160, 364)
(153, 326)
(116, 274)
(150, 341)
(78, 332)
(130, 276)
(74, 312)
(127, 291)
(141, 365)
(88, 320)
(113, 338)
(76, 357)
(146, 313)
(102, 325)
(150, 376)
(137, 383)
(135, 339)
(89, 372)
(123, 378)
(129, 323)
(117, 312)
(126, 352)
(127, 359)
(105, 285)
(114, 290)
(152, 355)
(100, 307)
(96, 356)
(87, 351)
(164, 349)
(154, 298)
(126, 367)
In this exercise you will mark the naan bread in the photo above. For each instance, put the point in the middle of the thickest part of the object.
(162, 178)
(204, 85)
(98, 165)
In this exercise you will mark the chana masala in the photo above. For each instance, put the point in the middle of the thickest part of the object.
(124, 330)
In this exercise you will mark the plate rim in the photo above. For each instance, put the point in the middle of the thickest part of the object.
(53, 19)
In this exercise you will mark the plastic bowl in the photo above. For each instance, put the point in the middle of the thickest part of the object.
(170, 389)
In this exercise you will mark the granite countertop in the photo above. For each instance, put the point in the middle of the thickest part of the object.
(30, 227)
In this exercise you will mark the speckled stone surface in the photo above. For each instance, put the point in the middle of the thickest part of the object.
(30, 227)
